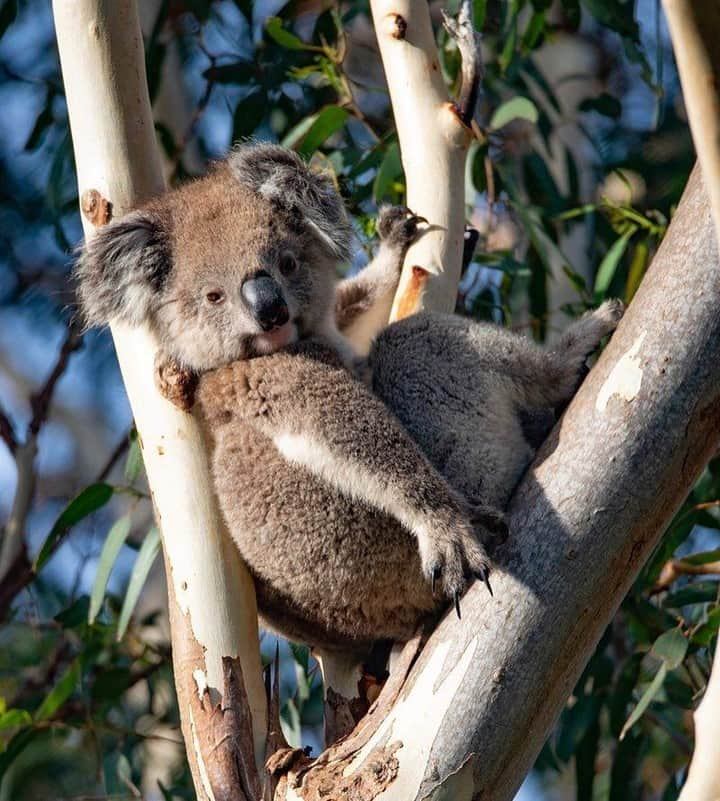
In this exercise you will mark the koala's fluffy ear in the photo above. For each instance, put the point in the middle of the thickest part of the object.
(122, 269)
(284, 178)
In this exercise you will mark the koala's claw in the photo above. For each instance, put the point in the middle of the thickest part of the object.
(484, 575)
(452, 559)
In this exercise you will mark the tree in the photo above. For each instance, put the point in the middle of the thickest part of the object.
(633, 433)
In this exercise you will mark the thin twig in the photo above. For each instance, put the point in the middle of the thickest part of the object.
(7, 434)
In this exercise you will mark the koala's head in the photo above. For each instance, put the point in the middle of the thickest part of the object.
(237, 264)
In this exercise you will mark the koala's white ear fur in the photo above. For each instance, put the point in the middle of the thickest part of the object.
(122, 270)
(309, 197)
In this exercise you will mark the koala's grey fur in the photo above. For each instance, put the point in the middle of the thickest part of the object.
(345, 520)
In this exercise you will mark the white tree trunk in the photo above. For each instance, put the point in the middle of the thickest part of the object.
(433, 146)
(212, 600)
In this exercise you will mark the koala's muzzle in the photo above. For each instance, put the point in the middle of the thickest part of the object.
(265, 300)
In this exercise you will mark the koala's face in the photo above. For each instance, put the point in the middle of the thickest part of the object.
(238, 264)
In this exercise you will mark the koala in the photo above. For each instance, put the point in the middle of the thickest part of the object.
(361, 510)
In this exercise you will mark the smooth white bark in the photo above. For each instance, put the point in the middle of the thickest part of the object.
(433, 147)
(102, 62)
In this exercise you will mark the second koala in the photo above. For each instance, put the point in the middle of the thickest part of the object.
(359, 513)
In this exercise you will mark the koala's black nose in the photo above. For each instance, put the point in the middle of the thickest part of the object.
(263, 296)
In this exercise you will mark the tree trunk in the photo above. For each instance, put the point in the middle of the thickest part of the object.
(212, 601)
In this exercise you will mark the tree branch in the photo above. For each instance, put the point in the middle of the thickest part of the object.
(212, 603)
(434, 136)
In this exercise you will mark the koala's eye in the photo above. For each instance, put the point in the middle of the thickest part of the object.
(215, 296)
(288, 264)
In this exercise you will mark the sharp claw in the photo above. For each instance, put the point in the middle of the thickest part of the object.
(484, 575)
(456, 598)
(434, 577)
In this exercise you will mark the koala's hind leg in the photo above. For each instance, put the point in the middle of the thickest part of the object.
(561, 370)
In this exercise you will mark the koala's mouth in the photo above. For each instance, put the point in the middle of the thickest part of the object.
(270, 341)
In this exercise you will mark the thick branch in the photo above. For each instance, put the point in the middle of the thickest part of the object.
(473, 715)
(212, 601)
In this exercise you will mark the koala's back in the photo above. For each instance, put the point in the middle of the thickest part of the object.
(458, 386)
(330, 571)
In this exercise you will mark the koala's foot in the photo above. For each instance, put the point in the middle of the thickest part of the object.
(451, 554)
(584, 335)
(174, 382)
(397, 226)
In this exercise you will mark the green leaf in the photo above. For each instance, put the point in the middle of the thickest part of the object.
(703, 557)
(145, 559)
(15, 747)
(60, 692)
(608, 266)
(645, 701)
(88, 501)
(671, 646)
(13, 718)
(134, 463)
(296, 133)
(705, 634)
(389, 172)
(290, 723)
(330, 120)
(75, 615)
(699, 592)
(301, 655)
(111, 548)
(479, 12)
(284, 38)
(519, 108)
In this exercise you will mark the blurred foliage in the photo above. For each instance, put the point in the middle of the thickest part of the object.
(583, 154)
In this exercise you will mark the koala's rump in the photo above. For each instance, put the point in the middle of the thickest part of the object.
(450, 382)
(329, 571)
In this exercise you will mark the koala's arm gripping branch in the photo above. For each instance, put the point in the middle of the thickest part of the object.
(118, 165)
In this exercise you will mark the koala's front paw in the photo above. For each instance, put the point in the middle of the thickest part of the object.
(490, 525)
(397, 226)
(451, 554)
(174, 382)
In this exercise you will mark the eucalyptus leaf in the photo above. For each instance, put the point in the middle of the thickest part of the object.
(145, 559)
(671, 646)
(608, 266)
(644, 702)
(329, 121)
(111, 548)
(519, 108)
(283, 37)
(88, 501)
(60, 692)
